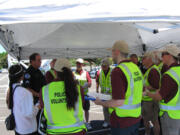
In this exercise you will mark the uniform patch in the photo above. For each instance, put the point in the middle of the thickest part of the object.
(27, 76)
(27, 82)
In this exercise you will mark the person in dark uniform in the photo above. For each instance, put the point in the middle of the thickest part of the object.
(34, 80)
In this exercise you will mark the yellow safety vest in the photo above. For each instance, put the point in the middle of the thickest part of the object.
(133, 96)
(146, 82)
(82, 80)
(173, 106)
(52, 73)
(160, 66)
(105, 82)
(60, 120)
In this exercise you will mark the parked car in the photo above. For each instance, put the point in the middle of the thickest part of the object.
(4, 70)
(93, 72)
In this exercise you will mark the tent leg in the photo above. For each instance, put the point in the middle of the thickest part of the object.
(144, 48)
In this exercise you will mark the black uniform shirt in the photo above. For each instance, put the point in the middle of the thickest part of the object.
(34, 79)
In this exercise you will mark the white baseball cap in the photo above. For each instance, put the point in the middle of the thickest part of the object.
(79, 60)
(172, 49)
(61, 63)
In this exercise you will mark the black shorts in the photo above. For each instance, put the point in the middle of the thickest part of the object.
(86, 105)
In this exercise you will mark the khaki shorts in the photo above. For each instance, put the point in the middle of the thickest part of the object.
(170, 126)
(150, 110)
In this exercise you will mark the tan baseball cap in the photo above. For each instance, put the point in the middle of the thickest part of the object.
(105, 62)
(172, 49)
(148, 54)
(121, 45)
(80, 60)
(61, 63)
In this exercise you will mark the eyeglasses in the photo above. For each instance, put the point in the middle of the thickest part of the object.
(165, 53)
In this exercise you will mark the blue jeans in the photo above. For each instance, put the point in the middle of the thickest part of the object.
(132, 130)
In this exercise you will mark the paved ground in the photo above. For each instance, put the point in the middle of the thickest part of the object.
(95, 112)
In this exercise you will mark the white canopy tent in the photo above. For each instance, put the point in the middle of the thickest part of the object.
(86, 28)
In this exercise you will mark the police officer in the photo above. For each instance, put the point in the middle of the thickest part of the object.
(63, 103)
(168, 95)
(34, 80)
(127, 87)
(103, 80)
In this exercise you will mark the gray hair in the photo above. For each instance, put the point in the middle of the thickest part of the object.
(153, 57)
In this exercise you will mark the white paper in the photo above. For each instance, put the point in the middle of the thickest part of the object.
(100, 95)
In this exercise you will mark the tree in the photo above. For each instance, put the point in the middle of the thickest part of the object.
(3, 60)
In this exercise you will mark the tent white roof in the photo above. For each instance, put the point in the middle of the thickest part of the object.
(86, 28)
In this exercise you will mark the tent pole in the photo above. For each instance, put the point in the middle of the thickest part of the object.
(19, 54)
(144, 48)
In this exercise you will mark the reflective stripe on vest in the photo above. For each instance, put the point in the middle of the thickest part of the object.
(165, 107)
(47, 104)
(106, 80)
(70, 126)
(160, 66)
(177, 107)
(49, 114)
(129, 106)
(52, 73)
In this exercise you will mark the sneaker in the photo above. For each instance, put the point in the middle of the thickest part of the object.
(105, 125)
(88, 126)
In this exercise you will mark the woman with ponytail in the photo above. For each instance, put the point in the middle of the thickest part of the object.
(21, 102)
(62, 103)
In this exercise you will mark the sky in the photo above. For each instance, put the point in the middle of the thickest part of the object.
(13, 11)
(1, 49)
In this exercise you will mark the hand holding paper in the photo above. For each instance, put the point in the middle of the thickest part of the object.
(98, 101)
(93, 96)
